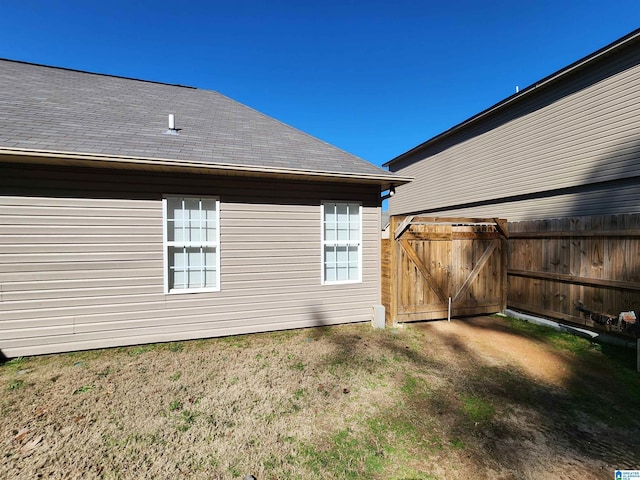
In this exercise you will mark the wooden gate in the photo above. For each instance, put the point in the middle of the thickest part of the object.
(442, 265)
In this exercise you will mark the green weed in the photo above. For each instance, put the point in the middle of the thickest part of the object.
(84, 389)
(456, 443)
(350, 456)
(410, 385)
(300, 366)
(16, 363)
(187, 418)
(284, 335)
(16, 384)
(175, 347)
(477, 410)
(238, 341)
(140, 349)
(298, 394)
(104, 372)
(560, 340)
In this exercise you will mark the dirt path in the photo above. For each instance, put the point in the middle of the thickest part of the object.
(544, 431)
(488, 338)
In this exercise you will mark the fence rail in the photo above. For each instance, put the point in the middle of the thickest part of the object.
(585, 270)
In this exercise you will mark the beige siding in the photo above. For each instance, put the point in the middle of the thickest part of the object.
(605, 199)
(528, 159)
(81, 264)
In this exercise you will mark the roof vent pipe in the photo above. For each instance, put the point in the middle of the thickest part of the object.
(172, 130)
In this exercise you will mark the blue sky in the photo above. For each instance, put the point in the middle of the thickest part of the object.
(374, 77)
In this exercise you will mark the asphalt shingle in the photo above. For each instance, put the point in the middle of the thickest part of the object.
(65, 110)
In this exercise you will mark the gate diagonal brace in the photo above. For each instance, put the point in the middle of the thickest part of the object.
(424, 271)
(402, 227)
(476, 270)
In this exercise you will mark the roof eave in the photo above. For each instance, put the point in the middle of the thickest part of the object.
(385, 181)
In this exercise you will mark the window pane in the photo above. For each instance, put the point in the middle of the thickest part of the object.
(329, 212)
(194, 232)
(330, 273)
(196, 258)
(196, 279)
(191, 206)
(342, 227)
(210, 257)
(210, 277)
(354, 214)
(211, 222)
(192, 221)
(342, 256)
(179, 258)
(354, 231)
(343, 212)
(342, 273)
(175, 232)
(208, 205)
(330, 255)
(177, 267)
(330, 231)
(174, 208)
(179, 279)
(354, 222)
(353, 273)
(174, 216)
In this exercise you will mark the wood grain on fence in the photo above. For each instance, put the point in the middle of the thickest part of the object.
(435, 266)
(558, 266)
(385, 265)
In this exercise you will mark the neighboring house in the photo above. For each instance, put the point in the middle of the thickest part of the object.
(118, 230)
(384, 224)
(568, 145)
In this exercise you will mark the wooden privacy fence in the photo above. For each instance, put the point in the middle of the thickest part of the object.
(567, 268)
(441, 266)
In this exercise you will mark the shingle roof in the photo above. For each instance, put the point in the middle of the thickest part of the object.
(56, 109)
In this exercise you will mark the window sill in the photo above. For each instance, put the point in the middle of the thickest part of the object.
(191, 290)
(342, 282)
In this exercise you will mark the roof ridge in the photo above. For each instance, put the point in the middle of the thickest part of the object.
(97, 73)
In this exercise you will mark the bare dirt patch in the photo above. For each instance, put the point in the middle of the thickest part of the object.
(561, 410)
(474, 398)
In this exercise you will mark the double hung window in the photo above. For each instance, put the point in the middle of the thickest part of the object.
(192, 244)
(341, 242)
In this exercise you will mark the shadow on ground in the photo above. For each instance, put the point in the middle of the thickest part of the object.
(470, 411)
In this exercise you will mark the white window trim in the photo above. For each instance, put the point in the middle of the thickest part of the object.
(324, 243)
(166, 244)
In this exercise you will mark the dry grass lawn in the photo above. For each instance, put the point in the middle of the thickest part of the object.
(476, 398)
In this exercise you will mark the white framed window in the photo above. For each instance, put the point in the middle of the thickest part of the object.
(191, 244)
(341, 242)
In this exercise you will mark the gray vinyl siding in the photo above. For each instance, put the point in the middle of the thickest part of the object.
(581, 131)
(609, 198)
(81, 259)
